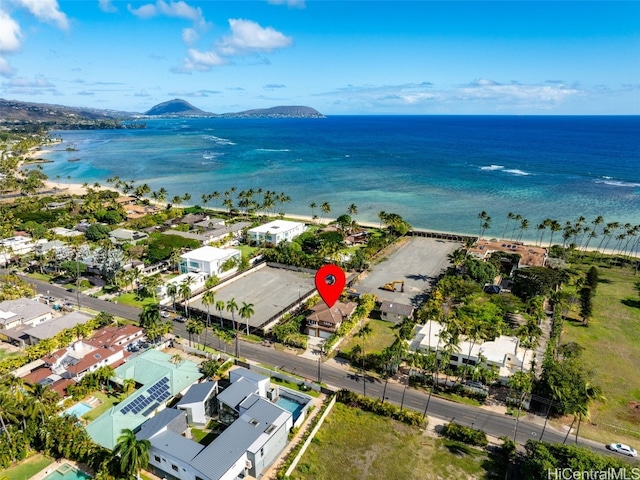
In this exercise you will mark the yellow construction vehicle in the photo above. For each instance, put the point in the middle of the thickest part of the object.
(391, 286)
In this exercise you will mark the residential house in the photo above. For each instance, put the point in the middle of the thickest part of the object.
(324, 321)
(530, 256)
(53, 326)
(65, 232)
(199, 402)
(23, 311)
(14, 246)
(246, 448)
(123, 235)
(275, 232)
(161, 380)
(208, 260)
(395, 312)
(503, 352)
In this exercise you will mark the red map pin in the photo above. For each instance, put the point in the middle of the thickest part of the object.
(330, 281)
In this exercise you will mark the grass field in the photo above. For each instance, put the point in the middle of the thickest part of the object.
(27, 468)
(612, 352)
(129, 298)
(382, 335)
(384, 449)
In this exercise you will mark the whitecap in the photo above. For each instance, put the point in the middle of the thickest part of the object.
(272, 150)
(516, 171)
(220, 140)
(492, 167)
(618, 183)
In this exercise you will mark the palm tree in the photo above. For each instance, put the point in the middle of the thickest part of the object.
(364, 333)
(220, 305)
(246, 312)
(133, 454)
(517, 218)
(128, 385)
(208, 299)
(194, 327)
(41, 402)
(352, 209)
(554, 226)
(483, 218)
(172, 291)
(510, 216)
(185, 291)
(232, 306)
(313, 206)
(325, 208)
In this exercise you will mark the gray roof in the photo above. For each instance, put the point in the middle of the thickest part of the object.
(237, 392)
(396, 308)
(24, 308)
(176, 445)
(166, 418)
(248, 374)
(210, 224)
(198, 392)
(51, 328)
(216, 459)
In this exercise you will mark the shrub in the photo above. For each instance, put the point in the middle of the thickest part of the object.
(463, 434)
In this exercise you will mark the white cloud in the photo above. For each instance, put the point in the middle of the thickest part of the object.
(10, 33)
(288, 3)
(272, 86)
(46, 11)
(201, 61)
(106, 6)
(249, 37)
(189, 35)
(141, 93)
(6, 70)
(480, 94)
(145, 11)
(178, 9)
(24, 86)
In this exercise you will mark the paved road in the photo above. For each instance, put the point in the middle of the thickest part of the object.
(492, 423)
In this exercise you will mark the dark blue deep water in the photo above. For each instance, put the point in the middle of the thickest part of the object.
(438, 172)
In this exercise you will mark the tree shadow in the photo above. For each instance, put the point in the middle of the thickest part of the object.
(458, 449)
(630, 302)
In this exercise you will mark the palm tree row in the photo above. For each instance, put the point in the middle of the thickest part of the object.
(576, 234)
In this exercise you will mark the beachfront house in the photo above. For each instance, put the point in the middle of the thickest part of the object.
(275, 232)
(209, 260)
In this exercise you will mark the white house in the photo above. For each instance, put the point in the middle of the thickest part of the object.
(12, 246)
(504, 352)
(273, 233)
(208, 260)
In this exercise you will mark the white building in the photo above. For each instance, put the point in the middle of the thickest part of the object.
(504, 352)
(273, 233)
(23, 311)
(208, 260)
(12, 246)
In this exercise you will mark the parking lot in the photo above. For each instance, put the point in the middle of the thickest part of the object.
(417, 263)
(269, 290)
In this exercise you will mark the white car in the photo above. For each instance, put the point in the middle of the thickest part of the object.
(164, 314)
(623, 449)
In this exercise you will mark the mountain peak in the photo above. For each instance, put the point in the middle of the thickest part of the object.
(176, 106)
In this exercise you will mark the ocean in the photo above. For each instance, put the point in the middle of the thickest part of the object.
(438, 172)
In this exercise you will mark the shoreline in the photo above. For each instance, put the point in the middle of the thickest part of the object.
(80, 189)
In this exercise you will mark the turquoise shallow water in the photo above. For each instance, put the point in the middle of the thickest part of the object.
(437, 172)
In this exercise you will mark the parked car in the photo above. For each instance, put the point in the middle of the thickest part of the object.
(180, 319)
(164, 314)
(623, 449)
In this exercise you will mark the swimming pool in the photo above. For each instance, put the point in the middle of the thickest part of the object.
(291, 405)
(67, 472)
(78, 409)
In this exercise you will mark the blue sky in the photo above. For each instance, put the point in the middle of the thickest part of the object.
(355, 57)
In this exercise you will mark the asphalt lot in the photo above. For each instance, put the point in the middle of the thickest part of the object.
(418, 262)
(268, 289)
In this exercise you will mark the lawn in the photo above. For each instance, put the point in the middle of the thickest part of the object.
(27, 468)
(246, 250)
(4, 354)
(294, 386)
(131, 299)
(384, 449)
(382, 335)
(612, 352)
(107, 402)
(203, 437)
